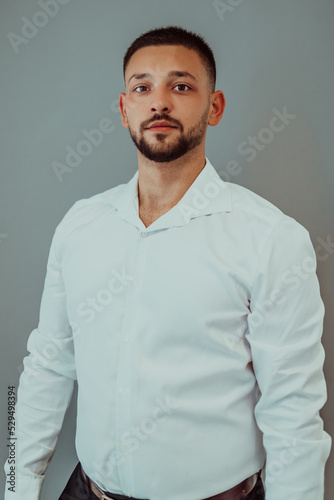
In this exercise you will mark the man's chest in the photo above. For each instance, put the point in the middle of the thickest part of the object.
(171, 276)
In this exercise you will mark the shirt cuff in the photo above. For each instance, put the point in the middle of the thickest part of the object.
(27, 487)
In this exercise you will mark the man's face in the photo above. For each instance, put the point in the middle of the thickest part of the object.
(168, 84)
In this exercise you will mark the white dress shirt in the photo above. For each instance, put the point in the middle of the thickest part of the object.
(196, 344)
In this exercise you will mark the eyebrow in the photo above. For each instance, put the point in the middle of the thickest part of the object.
(141, 76)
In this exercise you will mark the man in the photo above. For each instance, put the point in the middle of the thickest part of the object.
(189, 311)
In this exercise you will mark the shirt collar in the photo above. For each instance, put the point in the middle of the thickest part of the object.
(208, 194)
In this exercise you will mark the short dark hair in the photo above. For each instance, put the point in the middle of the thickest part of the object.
(175, 35)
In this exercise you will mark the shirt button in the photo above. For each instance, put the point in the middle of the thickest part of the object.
(122, 391)
(143, 234)
(122, 447)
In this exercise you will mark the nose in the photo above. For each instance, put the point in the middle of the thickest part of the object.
(160, 101)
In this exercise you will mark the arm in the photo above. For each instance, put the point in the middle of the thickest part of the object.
(285, 328)
(45, 387)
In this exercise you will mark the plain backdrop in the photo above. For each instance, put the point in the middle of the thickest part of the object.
(66, 77)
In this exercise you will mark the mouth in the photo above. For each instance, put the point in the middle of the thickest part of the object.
(162, 126)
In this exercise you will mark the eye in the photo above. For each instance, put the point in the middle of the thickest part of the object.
(139, 87)
(182, 85)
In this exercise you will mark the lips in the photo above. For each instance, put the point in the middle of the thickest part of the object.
(162, 124)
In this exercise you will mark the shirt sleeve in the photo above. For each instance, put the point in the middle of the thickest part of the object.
(45, 388)
(284, 331)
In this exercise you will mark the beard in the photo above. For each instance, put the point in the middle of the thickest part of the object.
(162, 151)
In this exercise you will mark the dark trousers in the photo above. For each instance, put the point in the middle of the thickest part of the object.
(77, 488)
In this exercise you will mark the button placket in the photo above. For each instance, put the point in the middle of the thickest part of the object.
(124, 376)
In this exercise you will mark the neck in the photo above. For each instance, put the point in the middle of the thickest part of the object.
(162, 185)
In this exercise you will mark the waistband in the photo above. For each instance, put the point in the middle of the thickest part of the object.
(237, 492)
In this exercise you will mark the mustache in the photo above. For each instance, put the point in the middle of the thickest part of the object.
(166, 118)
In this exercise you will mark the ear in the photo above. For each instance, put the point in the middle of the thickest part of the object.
(217, 107)
(121, 105)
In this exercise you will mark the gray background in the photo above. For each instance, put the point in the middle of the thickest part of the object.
(68, 77)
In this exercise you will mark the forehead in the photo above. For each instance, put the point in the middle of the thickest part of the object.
(162, 59)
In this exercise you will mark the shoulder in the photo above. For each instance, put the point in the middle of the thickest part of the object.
(87, 210)
(262, 218)
(248, 204)
(245, 201)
